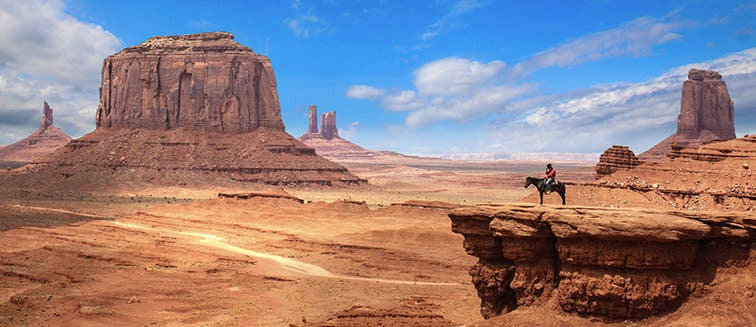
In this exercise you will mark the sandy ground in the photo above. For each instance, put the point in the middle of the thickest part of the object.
(174, 256)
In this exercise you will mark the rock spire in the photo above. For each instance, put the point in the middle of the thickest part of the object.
(312, 118)
(706, 114)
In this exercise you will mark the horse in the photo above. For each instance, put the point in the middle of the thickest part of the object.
(540, 184)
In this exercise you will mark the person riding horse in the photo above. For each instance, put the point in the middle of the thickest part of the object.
(550, 177)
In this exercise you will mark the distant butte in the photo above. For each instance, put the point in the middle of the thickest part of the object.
(329, 144)
(706, 114)
(43, 141)
(188, 110)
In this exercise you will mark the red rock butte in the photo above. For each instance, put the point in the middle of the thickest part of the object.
(706, 114)
(206, 81)
(43, 141)
(192, 110)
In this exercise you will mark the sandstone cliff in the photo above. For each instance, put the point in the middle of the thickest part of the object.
(43, 141)
(205, 81)
(706, 114)
(615, 158)
(615, 263)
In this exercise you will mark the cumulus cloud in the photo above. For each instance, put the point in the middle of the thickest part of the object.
(363, 92)
(40, 39)
(458, 89)
(402, 101)
(448, 89)
(484, 101)
(454, 76)
(638, 114)
(46, 54)
(633, 38)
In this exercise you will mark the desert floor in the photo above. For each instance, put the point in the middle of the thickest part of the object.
(170, 256)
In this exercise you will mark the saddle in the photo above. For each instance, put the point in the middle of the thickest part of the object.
(555, 183)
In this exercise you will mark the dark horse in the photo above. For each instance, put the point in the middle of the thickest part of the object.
(540, 184)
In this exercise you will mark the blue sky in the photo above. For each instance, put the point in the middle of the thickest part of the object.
(412, 76)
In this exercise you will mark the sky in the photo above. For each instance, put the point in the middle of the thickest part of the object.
(417, 77)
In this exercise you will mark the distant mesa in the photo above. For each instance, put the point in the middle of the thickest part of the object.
(615, 158)
(190, 110)
(43, 141)
(706, 114)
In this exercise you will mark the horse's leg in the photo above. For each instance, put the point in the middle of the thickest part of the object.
(563, 194)
(541, 194)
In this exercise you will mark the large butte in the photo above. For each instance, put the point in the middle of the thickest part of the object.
(192, 110)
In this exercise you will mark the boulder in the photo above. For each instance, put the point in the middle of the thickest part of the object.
(615, 158)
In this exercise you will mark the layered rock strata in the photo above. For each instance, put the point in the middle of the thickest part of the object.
(186, 110)
(204, 81)
(43, 141)
(714, 176)
(706, 114)
(616, 263)
(615, 158)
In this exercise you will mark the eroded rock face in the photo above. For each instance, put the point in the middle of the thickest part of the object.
(312, 119)
(328, 125)
(204, 81)
(706, 106)
(615, 158)
(706, 114)
(43, 141)
(713, 176)
(47, 116)
(618, 263)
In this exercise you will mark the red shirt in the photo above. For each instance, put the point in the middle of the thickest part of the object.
(551, 173)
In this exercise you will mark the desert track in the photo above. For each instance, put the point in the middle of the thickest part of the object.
(286, 263)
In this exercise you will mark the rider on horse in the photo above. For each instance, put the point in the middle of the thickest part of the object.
(550, 177)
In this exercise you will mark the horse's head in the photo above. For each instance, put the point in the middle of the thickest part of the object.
(527, 182)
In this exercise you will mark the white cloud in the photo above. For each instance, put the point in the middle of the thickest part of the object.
(461, 108)
(636, 114)
(402, 101)
(351, 132)
(40, 39)
(447, 22)
(305, 23)
(46, 54)
(454, 76)
(448, 89)
(634, 38)
(363, 92)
